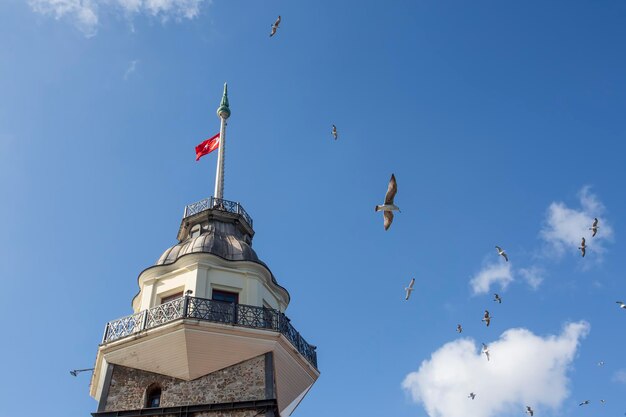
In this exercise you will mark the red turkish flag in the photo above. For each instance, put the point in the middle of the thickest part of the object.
(207, 146)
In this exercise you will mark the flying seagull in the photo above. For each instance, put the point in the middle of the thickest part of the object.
(582, 247)
(487, 318)
(472, 395)
(335, 132)
(601, 363)
(409, 289)
(594, 227)
(502, 253)
(602, 402)
(459, 328)
(389, 207)
(496, 297)
(486, 351)
(584, 403)
(621, 304)
(529, 411)
(275, 27)
(75, 372)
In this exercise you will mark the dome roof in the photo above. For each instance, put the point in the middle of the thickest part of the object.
(217, 238)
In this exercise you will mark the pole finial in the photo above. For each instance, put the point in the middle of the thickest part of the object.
(223, 111)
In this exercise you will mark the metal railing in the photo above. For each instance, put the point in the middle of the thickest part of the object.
(217, 204)
(214, 311)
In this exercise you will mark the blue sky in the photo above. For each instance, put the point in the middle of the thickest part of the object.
(502, 121)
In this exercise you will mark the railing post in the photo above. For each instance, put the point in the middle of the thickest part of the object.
(186, 307)
(144, 320)
(106, 331)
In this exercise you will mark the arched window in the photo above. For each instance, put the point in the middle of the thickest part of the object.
(153, 396)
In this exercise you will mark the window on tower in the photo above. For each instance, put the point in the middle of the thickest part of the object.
(228, 297)
(171, 297)
(153, 396)
(225, 310)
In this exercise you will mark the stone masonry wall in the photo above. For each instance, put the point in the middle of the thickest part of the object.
(228, 413)
(244, 381)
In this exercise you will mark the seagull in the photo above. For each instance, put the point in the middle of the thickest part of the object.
(275, 27)
(335, 132)
(389, 207)
(529, 411)
(472, 395)
(486, 351)
(601, 363)
(497, 298)
(582, 247)
(584, 403)
(75, 372)
(502, 253)
(487, 318)
(409, 288)
(602, 402)
(594, 227)
(459, 328)
(621, 304)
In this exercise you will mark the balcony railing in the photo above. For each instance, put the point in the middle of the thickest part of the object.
(214, 311)
(217, 204)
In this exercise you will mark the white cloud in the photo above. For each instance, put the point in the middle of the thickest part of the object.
(165, 8)
(620, 376)
(524, 369)
(565, 226)
(533, 276)
(132, 66)
(84, 13)
(495, 273)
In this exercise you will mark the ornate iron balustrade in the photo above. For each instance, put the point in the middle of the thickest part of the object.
(217, 204)
(213, 311)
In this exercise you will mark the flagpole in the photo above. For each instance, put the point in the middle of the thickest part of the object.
(223, 112)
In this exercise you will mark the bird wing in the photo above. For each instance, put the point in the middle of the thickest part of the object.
(392, 189)
(408, 293)
(595, 222)
(582, 243)
(594, 232)
(388, 215)
(277, 22)
(487, 320)
(583, 251)
(499, 249)
(506, 258)
(411, 283)
(273, 31)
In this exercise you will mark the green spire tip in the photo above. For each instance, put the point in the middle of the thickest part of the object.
(223, 110)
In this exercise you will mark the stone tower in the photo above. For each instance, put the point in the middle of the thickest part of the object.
(209, 335)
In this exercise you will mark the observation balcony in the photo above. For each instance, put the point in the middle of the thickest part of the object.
(203, 309)
(213, 203)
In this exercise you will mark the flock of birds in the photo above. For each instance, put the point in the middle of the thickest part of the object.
(388, 207)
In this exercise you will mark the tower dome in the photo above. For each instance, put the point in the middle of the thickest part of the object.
(216, 237)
